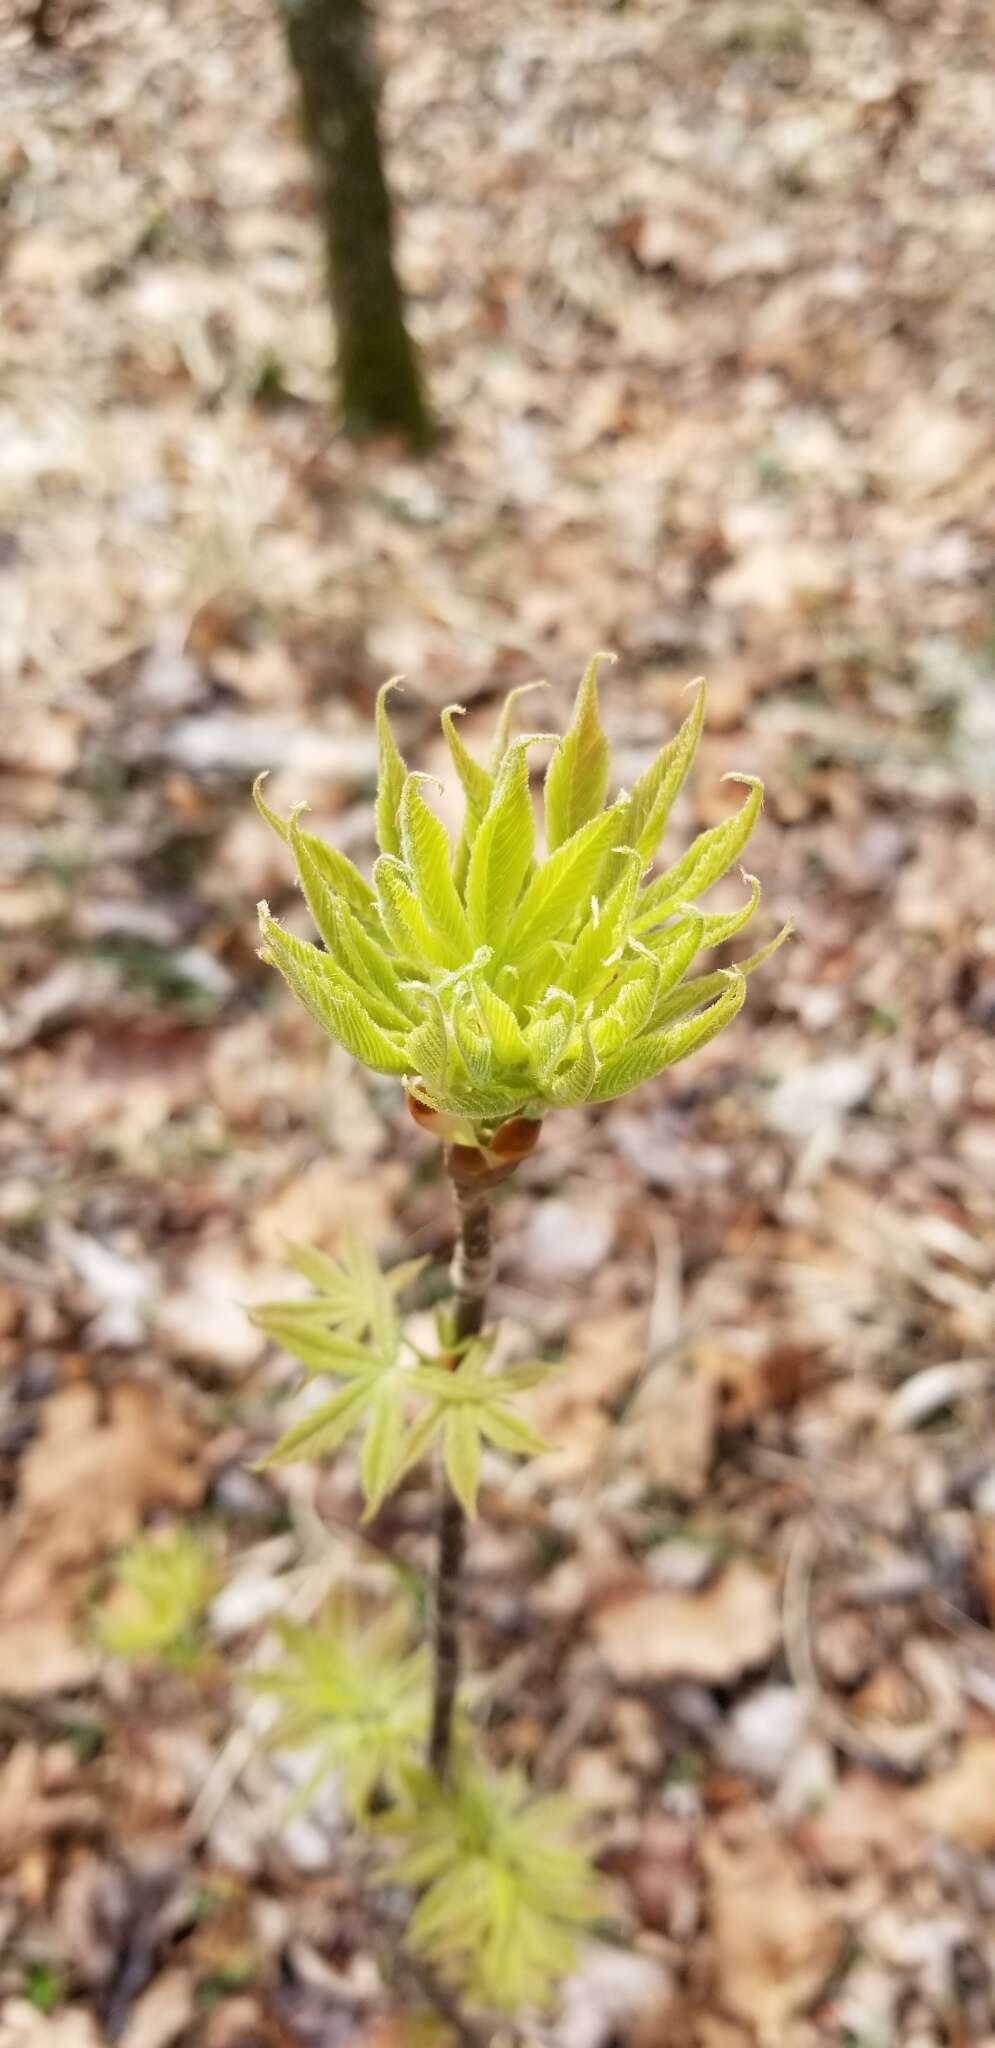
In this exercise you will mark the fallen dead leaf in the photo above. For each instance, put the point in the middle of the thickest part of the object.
(161, 2013)
(959, 1804)
(776, 1937)
(240, 2023)
(108, 1469)
(715, 1635)
(598, 1784)
(86, 1484)
(42, 1653)
(864, 1820)
(25, 905)
(45, 744)
(93, 1915)
(313, 1207)
(925, 446)
(775, 577)
(23, 2026)
(673, 1426)
(571, 1409)
(663, 1877)
(602, 1356)
(715, 2032)
(32, 1806)
(680, 2023)
(749, 1378)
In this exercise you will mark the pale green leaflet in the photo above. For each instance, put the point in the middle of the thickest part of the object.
(349, 1332)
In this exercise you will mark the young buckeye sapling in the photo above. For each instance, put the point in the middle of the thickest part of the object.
(498, 985)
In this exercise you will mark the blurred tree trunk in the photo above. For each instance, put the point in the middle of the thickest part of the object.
(331, 50)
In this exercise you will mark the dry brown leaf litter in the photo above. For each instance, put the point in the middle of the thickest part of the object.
(705, 297)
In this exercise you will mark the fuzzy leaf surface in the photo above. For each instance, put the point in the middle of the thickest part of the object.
(502, 851)
(577, 776)
(560, 890)
(338, 1012)
(507, 1887)
(654, 795)
(390, 778)
(650, 1055)
(710, 857)
(427, 854)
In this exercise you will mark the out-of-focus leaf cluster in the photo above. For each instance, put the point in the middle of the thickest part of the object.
(503, 1886)
(358, 1696)
(162, 1587)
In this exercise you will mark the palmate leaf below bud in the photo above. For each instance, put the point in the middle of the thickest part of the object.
(402, 1402)
(499, 985)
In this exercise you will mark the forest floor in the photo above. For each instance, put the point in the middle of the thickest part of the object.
(705, 299)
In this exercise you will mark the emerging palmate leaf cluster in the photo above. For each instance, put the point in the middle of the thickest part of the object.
(163, 1586)
(349, 1330)
(499, 984)
(357, 1696)
(506, 1887)
(503, 1887)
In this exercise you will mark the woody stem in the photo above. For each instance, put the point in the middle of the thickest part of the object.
(471, 1272)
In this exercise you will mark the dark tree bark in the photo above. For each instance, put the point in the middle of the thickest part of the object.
(331, 50)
